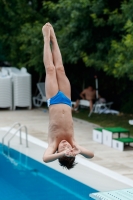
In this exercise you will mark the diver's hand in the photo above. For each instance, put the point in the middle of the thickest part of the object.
(76, 150)
(73, 152)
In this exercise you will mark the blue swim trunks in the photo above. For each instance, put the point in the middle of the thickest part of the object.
(60, 97)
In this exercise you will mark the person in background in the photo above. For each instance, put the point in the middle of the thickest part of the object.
(89, 94)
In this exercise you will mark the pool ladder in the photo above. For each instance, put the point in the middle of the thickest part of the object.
(20, 127)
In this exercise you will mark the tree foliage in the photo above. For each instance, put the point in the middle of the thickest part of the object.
(120, 56)
(96, 33)
(99, 33)
(20, 35)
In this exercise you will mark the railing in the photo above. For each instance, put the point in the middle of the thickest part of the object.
(15, 124)
(19, 129)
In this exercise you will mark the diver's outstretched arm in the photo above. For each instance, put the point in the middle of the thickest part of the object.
(50, 155)
(83, 151)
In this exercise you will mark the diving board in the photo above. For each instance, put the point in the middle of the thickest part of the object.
(126, 194)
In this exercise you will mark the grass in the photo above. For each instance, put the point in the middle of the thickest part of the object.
(106, 120)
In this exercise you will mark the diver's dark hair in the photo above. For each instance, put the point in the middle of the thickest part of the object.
(67, 162)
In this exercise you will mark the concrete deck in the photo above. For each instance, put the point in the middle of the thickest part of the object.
(36, 121)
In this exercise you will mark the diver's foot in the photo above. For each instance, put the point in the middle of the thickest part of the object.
(46, 31)
(52, 34)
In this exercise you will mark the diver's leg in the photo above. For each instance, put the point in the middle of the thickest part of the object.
(51, 84)
(63, 82)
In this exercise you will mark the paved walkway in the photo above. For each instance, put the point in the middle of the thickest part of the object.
(36, 121)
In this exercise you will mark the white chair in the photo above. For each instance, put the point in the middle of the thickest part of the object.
(21, 90)
(23, 70)
(103, 108)
(21, 87)
(84, 103)
(41, 97)
(13, 70)
(131, 122)
(21, 82)
(5, 91)
(4, 72)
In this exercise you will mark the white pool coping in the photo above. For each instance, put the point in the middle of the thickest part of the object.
(84, 162)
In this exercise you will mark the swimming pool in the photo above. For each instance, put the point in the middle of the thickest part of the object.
(23, 178)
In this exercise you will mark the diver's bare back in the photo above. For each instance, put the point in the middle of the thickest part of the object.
(60, 124)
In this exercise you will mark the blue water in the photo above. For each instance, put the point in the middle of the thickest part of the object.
(23, 178)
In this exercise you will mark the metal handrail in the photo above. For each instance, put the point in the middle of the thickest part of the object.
(20, 128)
(16, 123)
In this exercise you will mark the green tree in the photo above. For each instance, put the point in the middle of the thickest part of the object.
(98, 33)
(20, 33)
(92, 33)
(120, 55)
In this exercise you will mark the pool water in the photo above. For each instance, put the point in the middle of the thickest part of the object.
(23, 178)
